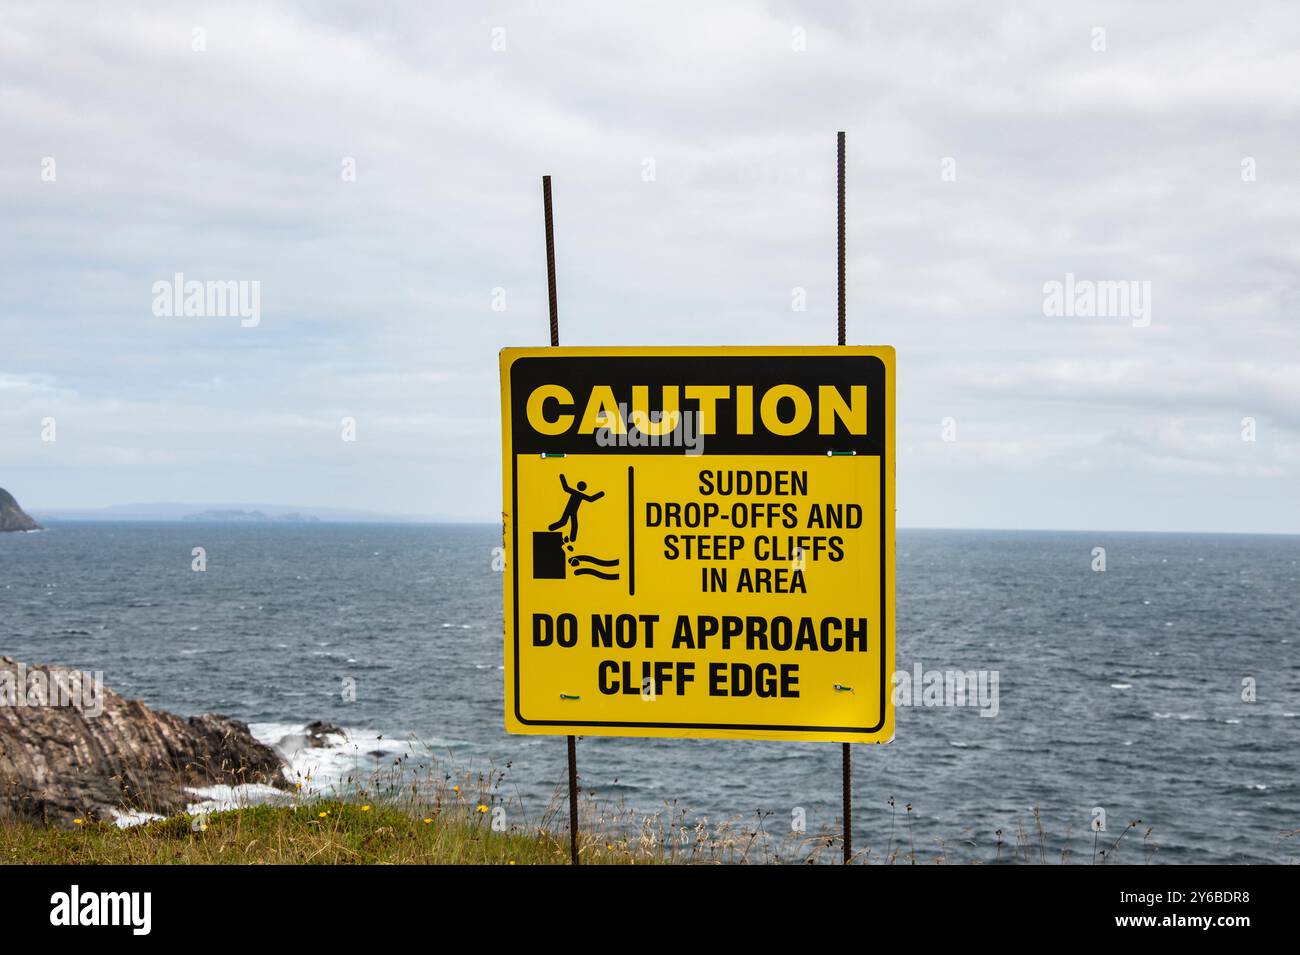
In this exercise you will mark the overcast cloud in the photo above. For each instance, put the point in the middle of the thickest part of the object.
(1124, 163)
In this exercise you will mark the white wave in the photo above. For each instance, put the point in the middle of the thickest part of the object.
(224, 798)
(124, 819)
(322, 770)
(346, 760)
(1121, 686)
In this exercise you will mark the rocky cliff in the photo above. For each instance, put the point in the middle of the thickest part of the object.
(71, 748)
(12, 517)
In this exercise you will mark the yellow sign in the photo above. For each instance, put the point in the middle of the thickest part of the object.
(699, 542)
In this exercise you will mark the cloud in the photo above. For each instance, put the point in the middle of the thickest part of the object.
(377, 294)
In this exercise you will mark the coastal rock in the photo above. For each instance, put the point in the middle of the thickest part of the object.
(71, 748)
(13, 517)
(319, 733)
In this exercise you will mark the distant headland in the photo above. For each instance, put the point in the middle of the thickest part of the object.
(251, 517)
(236, 512)
(13, 517)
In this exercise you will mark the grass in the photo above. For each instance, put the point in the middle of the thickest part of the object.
(357, 832)
(329, 833)
(409, 812)
(348, 832)
(413, 811)
(411, 815)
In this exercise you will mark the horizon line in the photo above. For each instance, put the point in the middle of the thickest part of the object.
(478, 521)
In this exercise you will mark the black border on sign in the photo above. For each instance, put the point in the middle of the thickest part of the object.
(884, 631)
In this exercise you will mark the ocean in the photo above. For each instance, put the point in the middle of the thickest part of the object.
(1164, 689)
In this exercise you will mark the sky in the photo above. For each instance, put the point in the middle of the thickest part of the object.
(376, 171)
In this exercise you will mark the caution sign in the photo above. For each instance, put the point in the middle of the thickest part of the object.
(699, 542)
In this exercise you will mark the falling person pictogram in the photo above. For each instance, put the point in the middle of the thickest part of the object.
(549, 558)
(577, 498)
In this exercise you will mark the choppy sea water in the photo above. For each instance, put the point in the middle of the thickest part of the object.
(1120, 690)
